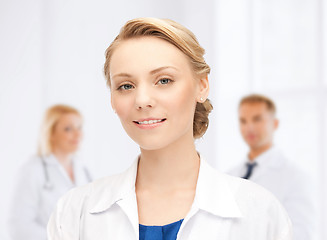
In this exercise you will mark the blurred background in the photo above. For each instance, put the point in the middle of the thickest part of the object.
(53, 52)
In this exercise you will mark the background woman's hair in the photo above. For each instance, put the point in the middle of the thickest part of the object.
(180, 37)
(51, 118)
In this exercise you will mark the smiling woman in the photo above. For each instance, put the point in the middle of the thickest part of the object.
(155, 90)
(159, 87)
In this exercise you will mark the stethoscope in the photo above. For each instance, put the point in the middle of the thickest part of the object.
(48, 184)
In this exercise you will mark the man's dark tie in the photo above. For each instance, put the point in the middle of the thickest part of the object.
(249, 171)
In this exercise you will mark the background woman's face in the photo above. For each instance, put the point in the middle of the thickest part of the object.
(153, 91)
(67, 133)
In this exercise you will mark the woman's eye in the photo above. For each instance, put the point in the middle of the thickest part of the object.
(164, 81)
(125, 87)
(68, 129)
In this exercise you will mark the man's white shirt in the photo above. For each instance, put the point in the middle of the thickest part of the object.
(292, 187)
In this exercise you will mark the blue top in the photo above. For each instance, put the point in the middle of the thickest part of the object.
(165, 232)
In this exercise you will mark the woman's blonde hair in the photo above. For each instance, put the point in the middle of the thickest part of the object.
(51, 118)
(180, 37)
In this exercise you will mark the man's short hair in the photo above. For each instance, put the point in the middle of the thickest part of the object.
(258, 98)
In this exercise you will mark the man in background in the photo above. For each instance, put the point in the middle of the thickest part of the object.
(266, 165)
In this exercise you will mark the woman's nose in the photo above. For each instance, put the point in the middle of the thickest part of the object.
(144, 98)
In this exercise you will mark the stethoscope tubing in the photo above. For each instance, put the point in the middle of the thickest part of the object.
(48, 185)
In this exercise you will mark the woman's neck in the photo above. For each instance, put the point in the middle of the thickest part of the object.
(64, 158)
(173, 167)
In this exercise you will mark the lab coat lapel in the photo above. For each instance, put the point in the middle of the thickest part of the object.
(129, 205)
(122, 193)
(128, 201)
(51, 160)
(219, 199)
(214, 196)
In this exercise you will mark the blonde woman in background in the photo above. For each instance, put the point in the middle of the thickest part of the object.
(44, 178)
(159, 86)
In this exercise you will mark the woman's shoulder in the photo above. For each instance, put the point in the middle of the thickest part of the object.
(79, 201)
(31, 162)
(242, 189)
(246, 191)
(259, 210)
(87, 194)
(31, 168)
(250, 199)
(255, 202)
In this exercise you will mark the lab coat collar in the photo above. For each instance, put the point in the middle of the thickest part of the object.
(114, 189)
(52, 160)
(118, 189)
(213, 193)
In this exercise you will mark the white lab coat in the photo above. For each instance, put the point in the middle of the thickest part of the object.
(290, 185)
(224, 207)
(32, 203)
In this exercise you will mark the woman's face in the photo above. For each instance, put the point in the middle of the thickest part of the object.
(154, 92)
(67, 133)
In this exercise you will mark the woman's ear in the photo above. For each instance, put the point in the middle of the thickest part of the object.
(203, 89)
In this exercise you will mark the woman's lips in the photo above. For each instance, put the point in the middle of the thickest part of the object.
(149, 123)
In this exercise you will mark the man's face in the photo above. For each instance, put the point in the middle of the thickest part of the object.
(257, 124)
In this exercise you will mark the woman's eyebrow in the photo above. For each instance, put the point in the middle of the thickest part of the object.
(151, 72)
(121, 75)
(162, 68)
